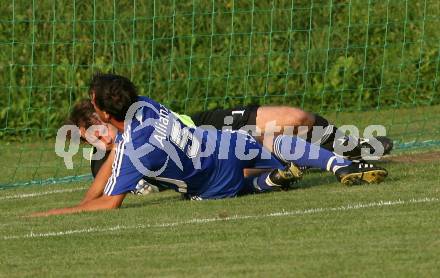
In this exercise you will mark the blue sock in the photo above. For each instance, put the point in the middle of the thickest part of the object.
(302, 153)
(256, 184)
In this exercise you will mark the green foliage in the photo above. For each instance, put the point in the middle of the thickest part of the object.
(192, 55)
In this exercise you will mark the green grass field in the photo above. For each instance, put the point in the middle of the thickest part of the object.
(353, 61)
(321, 229)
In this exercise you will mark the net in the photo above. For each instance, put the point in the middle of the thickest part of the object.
(354, 61)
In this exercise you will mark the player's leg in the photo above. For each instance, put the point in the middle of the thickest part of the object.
(296, 150)
(275, 120)
(332, 139)
(272, 180)
(282, 117)
(292, 149)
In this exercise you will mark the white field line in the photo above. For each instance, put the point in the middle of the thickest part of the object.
(38, 194)
(348, 207)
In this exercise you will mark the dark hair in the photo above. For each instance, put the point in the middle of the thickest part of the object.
(83, 114)
(114, 94)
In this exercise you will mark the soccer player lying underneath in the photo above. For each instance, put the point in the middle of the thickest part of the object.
(276, 118)
(201, 163)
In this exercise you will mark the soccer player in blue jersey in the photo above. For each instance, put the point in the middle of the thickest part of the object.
(83, 115)
(201, 163)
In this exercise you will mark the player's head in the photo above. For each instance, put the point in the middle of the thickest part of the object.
(83, 115)
(112, 95)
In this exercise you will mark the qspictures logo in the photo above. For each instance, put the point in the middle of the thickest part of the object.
(156, 133)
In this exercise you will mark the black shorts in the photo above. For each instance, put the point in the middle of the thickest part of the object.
(95, 165)
(240, 116)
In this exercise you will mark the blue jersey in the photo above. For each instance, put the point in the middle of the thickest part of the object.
(201, 162)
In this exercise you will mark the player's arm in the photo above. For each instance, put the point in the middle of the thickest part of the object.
(97, 188)
(113, 192)
(102, 203)
(94, 198)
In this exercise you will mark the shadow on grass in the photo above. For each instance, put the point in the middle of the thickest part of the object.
(314, 178)
(157, 200)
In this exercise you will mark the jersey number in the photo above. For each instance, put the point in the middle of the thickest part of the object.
(181, 137)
